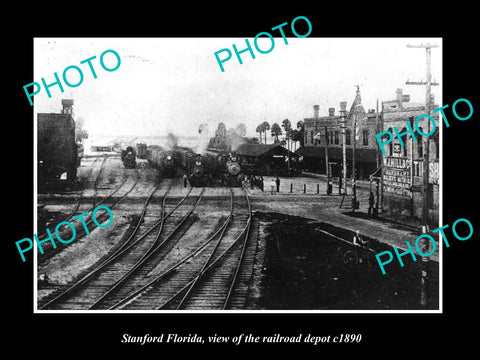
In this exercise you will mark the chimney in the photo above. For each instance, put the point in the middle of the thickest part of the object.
(399, 97)
(331, 111)
(343, 106)
(316, 109)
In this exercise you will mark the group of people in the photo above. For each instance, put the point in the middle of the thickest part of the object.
(275, 185)
(250, 181)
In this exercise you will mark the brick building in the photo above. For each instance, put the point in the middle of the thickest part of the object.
(323, 138)
(402, 175)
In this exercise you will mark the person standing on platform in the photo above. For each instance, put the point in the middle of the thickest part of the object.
(277, 182)
(371, 203)
(273, 184)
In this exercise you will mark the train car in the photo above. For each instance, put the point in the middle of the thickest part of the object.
(141, 151)
(100, 148)
(128, 157)
(57, 151)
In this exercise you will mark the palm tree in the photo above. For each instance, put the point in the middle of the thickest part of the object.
(276, 130)
(287, 125)
(301, 132)
(259, 129)
(266, 127)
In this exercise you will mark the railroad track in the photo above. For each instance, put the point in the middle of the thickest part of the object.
(111, 273)
(84, 180)
(214, 275)
(121, 191)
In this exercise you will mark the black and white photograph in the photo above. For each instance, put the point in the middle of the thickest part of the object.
(168, 182)
(216, 180)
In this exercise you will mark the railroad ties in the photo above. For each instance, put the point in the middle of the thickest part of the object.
(164, 264)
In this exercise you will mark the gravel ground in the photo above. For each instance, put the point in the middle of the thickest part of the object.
(303, 270)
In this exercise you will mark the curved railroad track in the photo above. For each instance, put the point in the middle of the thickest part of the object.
(96, 285)
(121, 191)
(214, 275)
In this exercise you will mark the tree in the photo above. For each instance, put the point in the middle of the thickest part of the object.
(266, 127)
(276, 130)
(241, 129)
(221, 130)
(80, 132)
(301, 132)
(295, 136)
(259, 129)
(287, 125)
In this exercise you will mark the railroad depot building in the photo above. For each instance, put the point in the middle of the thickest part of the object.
(403, 175)
(323, 138)
(271, 159)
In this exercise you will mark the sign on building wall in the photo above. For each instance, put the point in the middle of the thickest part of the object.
(433, 175)
(396, 177)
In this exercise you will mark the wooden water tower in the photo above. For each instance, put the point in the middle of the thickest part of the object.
(67, 106)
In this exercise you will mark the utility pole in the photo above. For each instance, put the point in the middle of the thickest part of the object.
(327, 170)
(428, 96)
(354, 185)
(354, 109)
(426, 163)
(343, 114)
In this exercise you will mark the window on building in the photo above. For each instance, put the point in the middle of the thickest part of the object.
(336, 138)
(420, 148)
(311, 137)
(365, 137)
(390, 145)
(348, 134)
(330, 133)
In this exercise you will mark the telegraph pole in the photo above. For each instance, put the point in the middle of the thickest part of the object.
(343, 111)
(353, 160)
(327, 170)
(428, 96)
(426, 167)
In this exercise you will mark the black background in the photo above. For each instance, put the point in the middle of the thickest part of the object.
(382, 334)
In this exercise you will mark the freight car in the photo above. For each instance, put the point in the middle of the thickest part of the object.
(99, 148)
(141, 150)
(128, 157)
(57, 152)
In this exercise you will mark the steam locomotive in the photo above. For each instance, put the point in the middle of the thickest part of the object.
(215, 169)
(211, 169)
(167, 161)
(128, 157)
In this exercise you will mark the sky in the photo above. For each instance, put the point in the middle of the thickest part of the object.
(175, 84)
